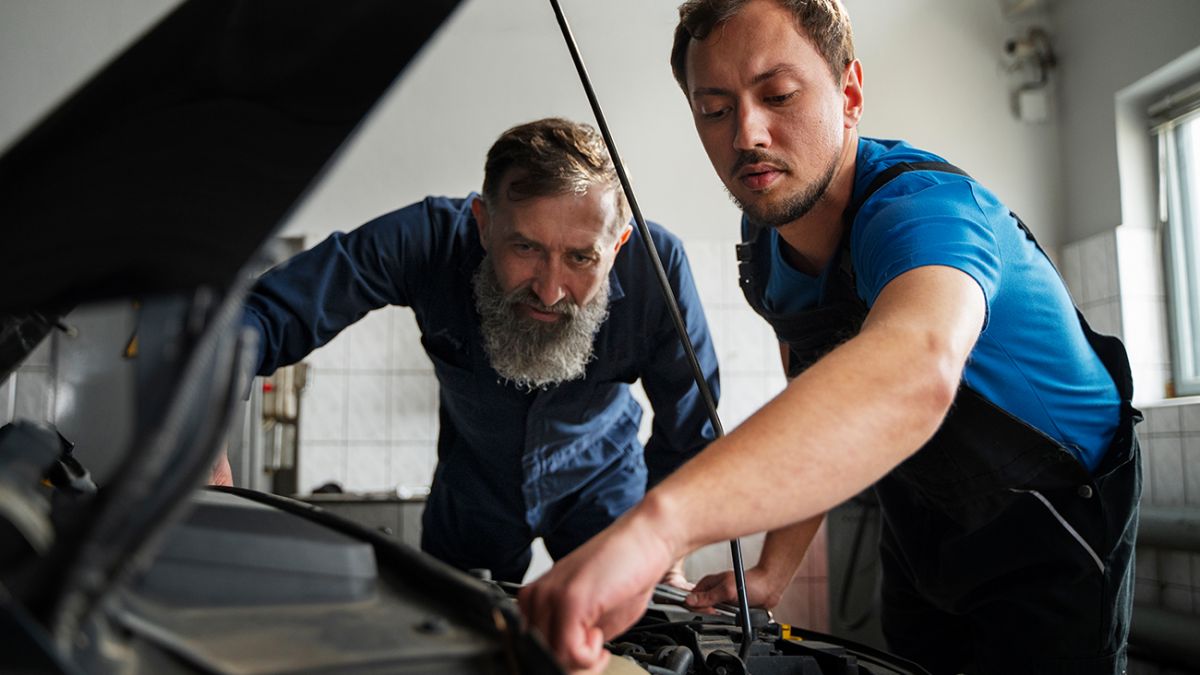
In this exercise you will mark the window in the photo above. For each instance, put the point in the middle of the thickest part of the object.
(1177, 125)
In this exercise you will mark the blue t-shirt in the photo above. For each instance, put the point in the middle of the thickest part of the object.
(1032, 358)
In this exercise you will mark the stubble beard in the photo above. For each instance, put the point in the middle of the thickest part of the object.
(535, 354)
(792, 207)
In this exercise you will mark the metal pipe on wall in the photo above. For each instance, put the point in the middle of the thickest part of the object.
(1162, 635)
(1166, 636)
(1174, 528)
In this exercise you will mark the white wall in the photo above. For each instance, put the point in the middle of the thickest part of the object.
(1105, 46)
(935, 75)
(48, 47)
(933, 68)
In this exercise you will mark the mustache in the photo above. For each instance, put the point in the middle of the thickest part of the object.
(526, 296)
(756, 156)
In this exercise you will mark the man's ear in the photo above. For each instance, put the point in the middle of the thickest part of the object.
(852, 92)
(479, 210)
(624, 236)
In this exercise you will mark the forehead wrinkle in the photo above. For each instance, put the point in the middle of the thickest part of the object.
(513, 233)
(779, 69)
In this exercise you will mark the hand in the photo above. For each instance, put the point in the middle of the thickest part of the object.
(762, 590)
(222, 474)
(598, 591)
(675, 577)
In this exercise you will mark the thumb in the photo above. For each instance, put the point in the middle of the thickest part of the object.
(588, 653)
(710, 591)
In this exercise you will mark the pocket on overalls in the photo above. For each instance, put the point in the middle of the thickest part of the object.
(981, 454)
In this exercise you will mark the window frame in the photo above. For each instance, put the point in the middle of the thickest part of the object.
(1179, 221)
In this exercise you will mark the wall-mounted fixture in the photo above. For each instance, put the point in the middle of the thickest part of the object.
(1030, 60)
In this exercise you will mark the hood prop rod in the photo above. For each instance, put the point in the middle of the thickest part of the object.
(672, 306)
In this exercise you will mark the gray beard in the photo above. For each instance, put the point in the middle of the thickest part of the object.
(793, 208)
(529, 353)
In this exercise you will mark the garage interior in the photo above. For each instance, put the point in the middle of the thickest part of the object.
(1048, 101)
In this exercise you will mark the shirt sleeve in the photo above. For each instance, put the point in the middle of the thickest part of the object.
(681, 427)
(923, 225)
(303, 303)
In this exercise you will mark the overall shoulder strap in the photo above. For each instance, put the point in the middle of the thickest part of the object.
(845, 264)
(749, 276)
(891, 173)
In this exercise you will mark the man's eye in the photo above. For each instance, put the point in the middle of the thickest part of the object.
(714, 114)
(779, 99)
(580, 259)
(521, 247)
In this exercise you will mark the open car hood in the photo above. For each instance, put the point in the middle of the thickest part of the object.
(153, 186)
(168, 169)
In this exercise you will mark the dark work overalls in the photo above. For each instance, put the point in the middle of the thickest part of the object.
(1001, 554)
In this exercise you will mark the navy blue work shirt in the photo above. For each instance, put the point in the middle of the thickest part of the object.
(560, 463)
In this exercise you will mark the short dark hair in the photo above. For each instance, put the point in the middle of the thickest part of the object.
(551, 156)
(825, 21)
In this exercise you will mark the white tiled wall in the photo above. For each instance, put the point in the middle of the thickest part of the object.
(1115, 279)
(1171, 459)
(369, 412)
(1144, 310)
(28, 392)
(1090, 270)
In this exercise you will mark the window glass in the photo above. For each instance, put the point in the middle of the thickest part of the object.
(1179, 143)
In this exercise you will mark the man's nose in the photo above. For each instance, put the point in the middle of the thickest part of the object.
(549, 284)
(751, 128)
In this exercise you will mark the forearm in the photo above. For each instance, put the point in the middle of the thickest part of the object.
(835, 430)
(838, 427)
(784, 549)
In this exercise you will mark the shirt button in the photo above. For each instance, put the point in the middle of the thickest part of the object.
(1085, 491)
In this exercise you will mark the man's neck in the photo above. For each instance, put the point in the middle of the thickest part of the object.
(811, 241)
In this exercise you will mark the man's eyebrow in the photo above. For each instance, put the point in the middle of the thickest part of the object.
(585, 251)
(513, 235)
(757, 79)
(768, 74)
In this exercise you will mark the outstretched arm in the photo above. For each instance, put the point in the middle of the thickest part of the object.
(837, 428)
(782, 552)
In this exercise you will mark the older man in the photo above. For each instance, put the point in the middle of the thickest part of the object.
(933, 349)
(536, 323)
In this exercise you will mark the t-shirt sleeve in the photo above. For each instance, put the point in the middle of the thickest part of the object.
(921, 224)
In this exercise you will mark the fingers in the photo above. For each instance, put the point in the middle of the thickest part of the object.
(588, 653)
(599, 668)
(710, 582)
(676, 580)
(711, 590)
(558, 615)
